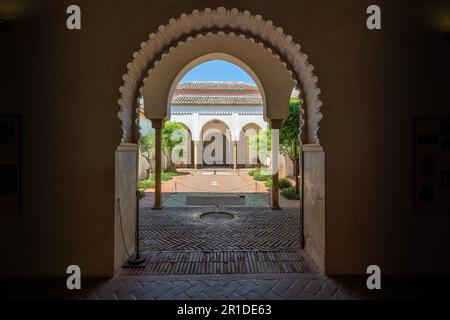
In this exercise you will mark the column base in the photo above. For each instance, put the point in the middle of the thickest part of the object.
(276, 208)
(156, 208)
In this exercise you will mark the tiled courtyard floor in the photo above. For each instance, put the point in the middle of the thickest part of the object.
(229, 287)
(257, 255)
(257, 240)
(224, 181)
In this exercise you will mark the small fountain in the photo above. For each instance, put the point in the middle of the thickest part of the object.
(216, 215)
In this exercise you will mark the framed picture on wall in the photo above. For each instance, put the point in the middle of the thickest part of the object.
(432, 165)
(10, 164)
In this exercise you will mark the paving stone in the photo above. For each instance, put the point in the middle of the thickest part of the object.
(179, 288)
(230, 288)
(313, 288)
(125, 290)
(196, 290)
(246, 288)
(235, 296)
(298, 286)
(282, 286)
(128, 297)
(164, 296)
(144, 290)
(344, 291)
(329, 288)
(272, 296)
(253, 296)
(264, 287)
(161, 289)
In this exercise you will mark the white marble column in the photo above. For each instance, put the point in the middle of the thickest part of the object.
(275, 125)
(235, 155)
(157, 125)
(198, 154)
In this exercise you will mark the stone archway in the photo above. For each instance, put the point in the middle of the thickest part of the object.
(221, 21)
(271, 43)
(216, 133)
(247, 156)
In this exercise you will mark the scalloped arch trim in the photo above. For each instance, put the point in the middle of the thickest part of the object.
(238, 23)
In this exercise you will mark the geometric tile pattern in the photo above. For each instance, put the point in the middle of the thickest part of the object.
(181, 200)
(298, 286)
(257, 240)
(222, 262)
(177, 229)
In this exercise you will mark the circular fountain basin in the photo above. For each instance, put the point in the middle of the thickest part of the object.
(216, 216)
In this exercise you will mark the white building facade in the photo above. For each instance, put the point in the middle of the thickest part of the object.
(220, 117)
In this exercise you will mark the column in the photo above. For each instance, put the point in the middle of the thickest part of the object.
(198, 159)
(235, 155)
(192, 154)
(157, 125)
(275, 125)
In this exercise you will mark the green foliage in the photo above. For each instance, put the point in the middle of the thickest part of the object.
(290, 193)
(261, 143)
(146, 183)
(141, 194)
(147, 147)
(251, 172)
(166, 175)
(260, 176)
(173, 134)
(284, 183)
(289, 141)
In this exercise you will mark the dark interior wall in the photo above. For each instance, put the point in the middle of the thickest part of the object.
(65, 85)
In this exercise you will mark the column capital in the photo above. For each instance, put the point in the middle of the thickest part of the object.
(275, 123)
(157, 123)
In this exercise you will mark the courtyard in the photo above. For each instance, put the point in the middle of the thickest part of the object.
(219, 181)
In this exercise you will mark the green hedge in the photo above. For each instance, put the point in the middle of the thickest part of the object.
(150, 183)
(282, 183)
(290, 193)
(147, 183)
(258, 176)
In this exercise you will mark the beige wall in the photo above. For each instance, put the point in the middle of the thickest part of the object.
(65, 85)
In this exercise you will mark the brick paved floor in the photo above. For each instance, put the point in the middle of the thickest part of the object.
(229, 287)
(180, 246)
(256, 241)
(225, 181)
(251, 200)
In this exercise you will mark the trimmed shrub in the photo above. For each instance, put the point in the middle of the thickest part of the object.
(251, 172)
(147, 183)
(290, 193)
(166, 175)
(261, 177)
(141, 194)
(284, 183)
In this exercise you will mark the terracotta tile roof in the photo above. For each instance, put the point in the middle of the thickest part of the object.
(234, 94)
(216, 86)
(216, 100)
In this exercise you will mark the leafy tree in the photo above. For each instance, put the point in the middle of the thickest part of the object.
(289, 142)
(261, 143)
(147, 147)
(173, 134)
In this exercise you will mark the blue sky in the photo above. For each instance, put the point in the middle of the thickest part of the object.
(217, 70)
